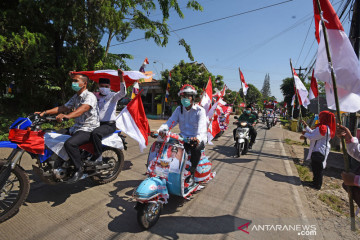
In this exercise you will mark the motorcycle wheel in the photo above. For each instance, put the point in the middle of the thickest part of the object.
(238, 149)
(148, 214)
(14, 193)
(268, 125)
(246, 147)
(113, 157)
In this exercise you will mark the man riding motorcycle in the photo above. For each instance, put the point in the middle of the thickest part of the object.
(192, 123)
(247, 116)
(107, 102)
(83, 107)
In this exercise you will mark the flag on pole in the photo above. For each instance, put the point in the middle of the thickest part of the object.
(142, 68)
(243, 83)
(206, 98)
(132, 121)
(130, 77)
(168, 88)
(293, 100)
(314, 93)
(214, 126)
(301, 90)
(345, 63)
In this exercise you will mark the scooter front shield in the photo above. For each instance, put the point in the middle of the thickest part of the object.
(150, 188)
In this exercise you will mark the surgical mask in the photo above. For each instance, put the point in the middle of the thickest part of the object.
(75, 86)
(248, 112)
(104, 90)
(185, 102)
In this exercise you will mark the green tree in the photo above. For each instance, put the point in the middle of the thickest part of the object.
(265, 90)
(232, 97)
(189, 73)
(41, 41)
(253, 95)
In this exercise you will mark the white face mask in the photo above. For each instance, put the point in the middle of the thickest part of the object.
(104, 91)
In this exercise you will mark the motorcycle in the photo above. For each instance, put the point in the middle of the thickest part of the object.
(242, 138)
(269, 122)
(53, 165)
(168, 167)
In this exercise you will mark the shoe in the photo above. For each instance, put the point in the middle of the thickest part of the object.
(77, 176)
(250, 146)
(190, 181)
(97, 162)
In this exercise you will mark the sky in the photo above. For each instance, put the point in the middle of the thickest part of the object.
(258, 42)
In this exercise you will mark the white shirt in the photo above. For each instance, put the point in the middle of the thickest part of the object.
(353, 148)
(192, 123)
(89, 120)
(107, 104)
(318, 142)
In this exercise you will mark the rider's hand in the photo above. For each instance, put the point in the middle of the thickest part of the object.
(162, 134)
(60, 117)
(304, 123)
(348, 178)
(194, 141)
(302, 137)
(152, 134)
(40, 113)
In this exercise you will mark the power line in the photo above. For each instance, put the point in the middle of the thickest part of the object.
(211, 21)
(304, 42)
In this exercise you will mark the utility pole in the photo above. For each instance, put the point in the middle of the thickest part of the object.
(299, 69)
(355, 42)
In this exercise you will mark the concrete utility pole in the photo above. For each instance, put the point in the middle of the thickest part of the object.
(299, 69)
(355, 42)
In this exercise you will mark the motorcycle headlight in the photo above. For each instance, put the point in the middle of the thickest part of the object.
(243, 124)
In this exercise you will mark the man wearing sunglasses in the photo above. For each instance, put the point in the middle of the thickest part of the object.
(192, 123)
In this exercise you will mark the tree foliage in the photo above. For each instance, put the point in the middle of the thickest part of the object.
(189, 73)
(41, 41)
(265, 90)
(253, 95)
(288, 91)
(232, 97)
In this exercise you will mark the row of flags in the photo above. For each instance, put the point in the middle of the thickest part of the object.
(345, 63)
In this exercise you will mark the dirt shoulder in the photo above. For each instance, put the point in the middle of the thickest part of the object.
(330, 205)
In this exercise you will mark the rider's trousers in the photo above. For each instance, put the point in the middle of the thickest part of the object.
(195, 154)
(105, 129)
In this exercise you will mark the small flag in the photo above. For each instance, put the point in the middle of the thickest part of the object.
(207, 97)
(314, 93)
(142, 68)
(168, 88)
(244, 85)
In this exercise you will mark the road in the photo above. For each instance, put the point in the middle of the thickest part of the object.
(259, 191)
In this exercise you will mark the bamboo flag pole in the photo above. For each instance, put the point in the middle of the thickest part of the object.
(297, 95)
(346, 159)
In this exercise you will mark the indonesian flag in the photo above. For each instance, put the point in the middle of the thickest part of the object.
(207, 97)
(345, 63)
(243, 83)
(301, 90)
(130, 77)
(314, 93)
(31, 141)
(132, 121)
(214, 128)
(293, 100)
(142, 68)
(285, 104)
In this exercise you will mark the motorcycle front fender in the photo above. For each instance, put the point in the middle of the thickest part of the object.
(241, 140)
(150, 188)
(8, 144)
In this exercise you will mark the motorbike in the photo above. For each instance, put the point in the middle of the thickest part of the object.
(242, 138)
(269, 122)
(168, 167)
(53, 164)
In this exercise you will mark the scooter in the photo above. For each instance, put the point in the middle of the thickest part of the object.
(53, 164)
(242, 138)
(269, 122)
(168, 167)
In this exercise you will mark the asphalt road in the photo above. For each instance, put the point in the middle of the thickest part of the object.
(259, 191)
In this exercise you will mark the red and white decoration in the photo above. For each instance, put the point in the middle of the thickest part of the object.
(206, 98)
(244, 85)
(130, 77)
(345, 63)
(301, 91)
(314, 92)
(132, 121)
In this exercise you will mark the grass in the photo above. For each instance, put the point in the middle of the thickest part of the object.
(304, 173)
(334, 186)
(332, 201)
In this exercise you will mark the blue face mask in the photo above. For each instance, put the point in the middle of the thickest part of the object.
(185, 102)
(248, 112)
(75, 86)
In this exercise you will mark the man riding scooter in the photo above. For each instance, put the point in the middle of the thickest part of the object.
(247, 116)
(192, 123)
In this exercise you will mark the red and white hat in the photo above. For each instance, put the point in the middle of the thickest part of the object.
(187, 88)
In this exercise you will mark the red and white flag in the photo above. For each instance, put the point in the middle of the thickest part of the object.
(243, 83)
(132, 121)
(130, 77)
(314, 93)
(206, 98)
(214, 128)
(345, 63)
(142, 68)
(293, 100)
(301, 90)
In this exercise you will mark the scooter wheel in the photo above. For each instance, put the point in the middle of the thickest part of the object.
(148, 214)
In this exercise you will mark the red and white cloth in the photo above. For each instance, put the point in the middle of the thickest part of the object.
(132, 121)
(244, 85)
(130, 77)
(314, 92)
(301, 91)
(206, 98)
(345, 63)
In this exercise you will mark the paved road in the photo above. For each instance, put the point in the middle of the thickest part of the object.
(260, 188)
